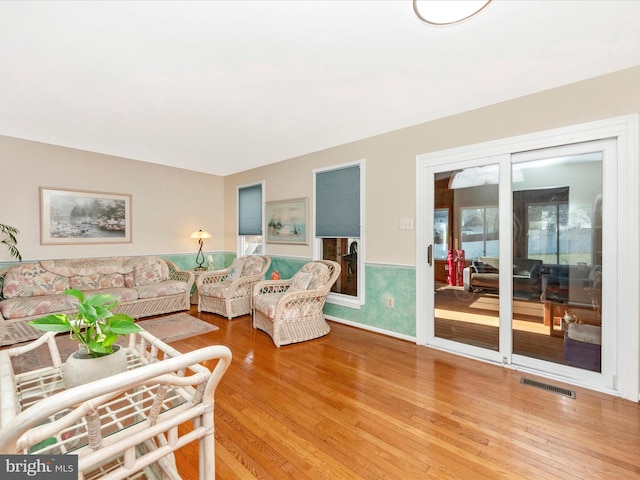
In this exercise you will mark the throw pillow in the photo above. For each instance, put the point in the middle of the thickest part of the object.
(300, 282)
(150, 273)
(236, 270)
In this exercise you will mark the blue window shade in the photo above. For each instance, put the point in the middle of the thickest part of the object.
(250, 210)
(338, 203)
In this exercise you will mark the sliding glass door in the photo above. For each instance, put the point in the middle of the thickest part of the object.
(557, 256)
(517, 249)
(469, 196)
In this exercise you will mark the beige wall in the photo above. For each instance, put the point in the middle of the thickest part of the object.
(167, 203)
(391, 157)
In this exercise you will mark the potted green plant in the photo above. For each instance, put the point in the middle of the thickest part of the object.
(96, 328)
(10, 240)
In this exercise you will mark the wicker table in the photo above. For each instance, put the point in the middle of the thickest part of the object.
(195, 296)
(122, 426)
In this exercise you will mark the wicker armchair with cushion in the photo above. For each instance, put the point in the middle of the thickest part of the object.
(290, 311)
(227, 292)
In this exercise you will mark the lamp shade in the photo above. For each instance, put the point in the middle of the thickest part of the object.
(200, 234)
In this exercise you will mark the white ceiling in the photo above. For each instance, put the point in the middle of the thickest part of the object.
(225, 86)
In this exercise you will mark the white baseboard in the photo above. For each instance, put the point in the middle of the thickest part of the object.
(372, 329)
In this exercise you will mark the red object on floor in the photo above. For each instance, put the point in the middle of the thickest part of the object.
(455, 264)
(460, 267)
(451, 264)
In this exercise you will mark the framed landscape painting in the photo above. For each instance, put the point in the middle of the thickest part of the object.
(79, 217)
(287, 221)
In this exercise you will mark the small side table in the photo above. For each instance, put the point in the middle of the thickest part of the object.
(194, 296)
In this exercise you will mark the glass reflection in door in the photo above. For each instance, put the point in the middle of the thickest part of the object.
(466, 256)
(557, 260)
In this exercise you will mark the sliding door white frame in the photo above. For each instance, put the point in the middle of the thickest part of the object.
(624, 130)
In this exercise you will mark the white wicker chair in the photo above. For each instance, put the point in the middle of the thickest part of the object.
(228, 292)
(290, 311)
(122, 425)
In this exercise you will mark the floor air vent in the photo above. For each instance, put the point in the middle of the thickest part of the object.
(548, 388)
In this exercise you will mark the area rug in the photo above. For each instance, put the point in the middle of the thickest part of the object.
(169, 329)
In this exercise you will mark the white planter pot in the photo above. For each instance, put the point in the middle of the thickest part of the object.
(80, 368)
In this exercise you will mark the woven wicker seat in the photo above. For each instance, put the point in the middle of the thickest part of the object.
(122, 426)
(290, 311)
(227, 292)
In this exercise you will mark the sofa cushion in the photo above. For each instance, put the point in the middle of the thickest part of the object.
(491, 264)
(300, 281)
(89, 266)
(477, 266)
(267, 303)
(150, 271)
(30, 280)
(320, 274)
(217, 289)
(168, 287)
(252, 265)
(97, 281)
(121, 294)
(129, 279)
(41, 305)
(482, 267)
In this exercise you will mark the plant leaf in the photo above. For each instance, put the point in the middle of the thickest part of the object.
(75, 293)
(12, 241)
(99, 347)
(57, 322)
(87, 313)
(109, 339)
(123, 326)
(103, 312)
(101, 300)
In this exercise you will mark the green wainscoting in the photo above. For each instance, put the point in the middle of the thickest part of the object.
(286, 266)
(188, 261)
(382, 282)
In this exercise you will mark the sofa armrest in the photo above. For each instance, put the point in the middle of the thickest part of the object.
(181, 275)
(271, 286)
(213, 276)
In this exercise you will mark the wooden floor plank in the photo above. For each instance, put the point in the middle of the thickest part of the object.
(360, 405)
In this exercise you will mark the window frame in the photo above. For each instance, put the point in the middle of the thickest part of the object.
(556, 197)
(485, 236)
(339, 298)
(240, 239)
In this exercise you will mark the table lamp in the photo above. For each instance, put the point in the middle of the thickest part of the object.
(200, 256)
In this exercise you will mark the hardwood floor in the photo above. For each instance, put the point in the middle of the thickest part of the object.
(359, 405)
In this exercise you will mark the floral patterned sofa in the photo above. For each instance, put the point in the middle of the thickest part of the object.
(144, 286)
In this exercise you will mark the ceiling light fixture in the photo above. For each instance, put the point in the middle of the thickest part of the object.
(447, 12)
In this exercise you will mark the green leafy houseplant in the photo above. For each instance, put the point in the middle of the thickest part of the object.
(10, 240)
(95, 326)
